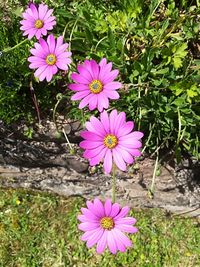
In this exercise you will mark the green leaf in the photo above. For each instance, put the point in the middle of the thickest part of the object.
(177, 62)
(161, 71)
(191, 93)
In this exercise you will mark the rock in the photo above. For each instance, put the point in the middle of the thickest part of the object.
(78, 166)
(44, 163)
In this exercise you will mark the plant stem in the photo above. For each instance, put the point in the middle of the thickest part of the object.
(54, 111)
(12, 48)
(179, 127)
(67, 139)
(151, 190)
(35, 101)
(71, 34)
(60, 97)
(113, 183)
(154, 175)
(149, 137)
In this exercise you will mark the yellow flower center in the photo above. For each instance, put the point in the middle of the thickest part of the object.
(95, 86)
(110, 141)
(51, 59)
(39, 24)
(107, 223)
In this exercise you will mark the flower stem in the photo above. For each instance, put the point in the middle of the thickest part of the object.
(113, 183)
(68, 142)
(34, 98)
(8, 49)
(60, 97)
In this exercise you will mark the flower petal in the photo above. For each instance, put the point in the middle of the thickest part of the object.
(95, 69)
(102, 101)
(125, 129)
(93, 103)
(104, 70)
(42, 11)
(78, 87)
(121, 119)
(84, 72)
(88, 213)
(123, 238)
(105, 121)
(91, 153)
(88, 234)
(110, 76)
(95, 237)
(124, 211)
(107, 164)
(80, 95)
(90, 145)
(111, 242)
(115, 210)
(99, 207)
(84, 218)
(79, 78)
(101, 244)
(84, 102)
(126, 220)
(111, 94)
(113, 116)
(119, 161)
(108, 207)
(125, 155)
(112, 86)
(97, 125)
(134, 152)
(88, 226)
(96, 160)
(134, 135)
(90, 127)
(120, 245)
(126, 228)
(130, 143)
(91, 136)
(96, 207)
(51, 43)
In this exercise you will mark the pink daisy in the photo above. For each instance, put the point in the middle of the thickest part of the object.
(104, 225)
(37, 21)
(48, 57)
(111, 139)
(94, 84)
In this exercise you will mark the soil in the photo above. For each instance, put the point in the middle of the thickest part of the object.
(44, 162)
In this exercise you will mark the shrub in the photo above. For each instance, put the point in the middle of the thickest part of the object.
(153, 43)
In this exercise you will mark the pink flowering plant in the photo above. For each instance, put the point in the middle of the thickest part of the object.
(108, 139)
(37, 21)
(94, 84)
(111, 139)
(49, 56)
(104, 224)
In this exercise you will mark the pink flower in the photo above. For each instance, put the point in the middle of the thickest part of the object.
(48, 57)
(104, 225)
(94, 84)
(37, 21)
(111, 139)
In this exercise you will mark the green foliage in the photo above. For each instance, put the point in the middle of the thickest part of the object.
(153, 43)
(41, 230)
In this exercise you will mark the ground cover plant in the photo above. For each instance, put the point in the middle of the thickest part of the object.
(41, 230)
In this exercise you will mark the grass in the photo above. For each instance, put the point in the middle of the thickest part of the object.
(41, 230)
